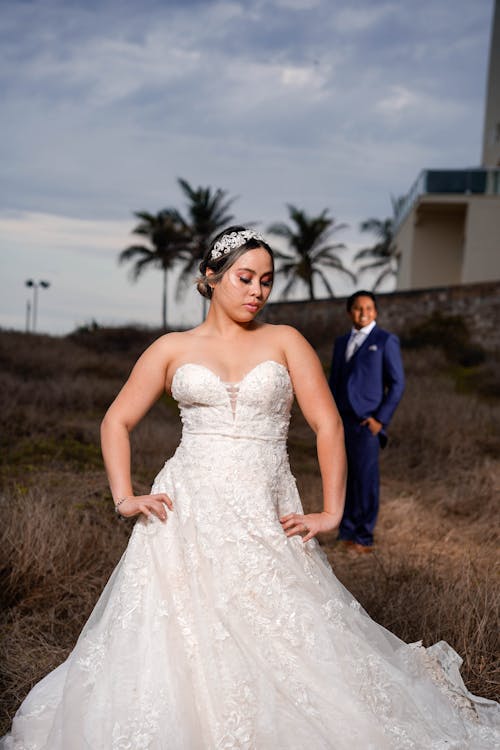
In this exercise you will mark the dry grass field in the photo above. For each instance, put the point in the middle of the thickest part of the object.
(432, 576)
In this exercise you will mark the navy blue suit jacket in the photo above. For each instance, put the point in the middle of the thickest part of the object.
(372, 382)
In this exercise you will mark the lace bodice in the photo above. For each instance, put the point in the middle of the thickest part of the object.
(258, 407)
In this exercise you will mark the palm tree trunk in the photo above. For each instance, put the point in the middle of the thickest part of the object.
(311, 287)
(164, 300)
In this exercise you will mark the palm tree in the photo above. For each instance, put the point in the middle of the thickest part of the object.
(312, 251)
(168, 238)
(208, 213)
(384, 254)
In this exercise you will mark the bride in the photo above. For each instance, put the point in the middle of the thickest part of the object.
(223, 626)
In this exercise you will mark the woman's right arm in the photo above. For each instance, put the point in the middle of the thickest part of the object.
(318, 407)
(144, 386)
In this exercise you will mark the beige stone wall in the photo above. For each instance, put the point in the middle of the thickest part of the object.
(320, 321)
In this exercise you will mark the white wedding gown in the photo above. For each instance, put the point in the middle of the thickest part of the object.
(217, 632)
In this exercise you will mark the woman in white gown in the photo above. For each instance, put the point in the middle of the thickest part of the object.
(223, 626)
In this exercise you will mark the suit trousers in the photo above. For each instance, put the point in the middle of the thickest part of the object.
(363, 480)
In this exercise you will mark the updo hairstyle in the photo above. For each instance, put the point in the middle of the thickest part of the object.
(221, 264)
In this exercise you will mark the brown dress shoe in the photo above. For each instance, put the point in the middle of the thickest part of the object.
(345, 544)
(361, 549)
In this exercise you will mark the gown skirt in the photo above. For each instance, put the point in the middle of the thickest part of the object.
(217, 632)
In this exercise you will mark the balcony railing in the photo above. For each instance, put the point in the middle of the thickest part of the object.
(449, 182)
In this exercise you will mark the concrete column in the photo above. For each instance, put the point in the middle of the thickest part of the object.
(491, 133)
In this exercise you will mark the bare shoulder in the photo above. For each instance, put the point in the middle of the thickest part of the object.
(288, 338)
(165, 348)
(175, 338)
(296, 352)
(283, 333)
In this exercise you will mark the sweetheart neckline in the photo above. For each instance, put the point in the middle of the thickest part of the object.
(227, 382)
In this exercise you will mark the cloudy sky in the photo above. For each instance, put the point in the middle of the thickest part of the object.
(332, 104)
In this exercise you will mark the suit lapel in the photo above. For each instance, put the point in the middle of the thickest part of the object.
(367, 340)
(343, 346)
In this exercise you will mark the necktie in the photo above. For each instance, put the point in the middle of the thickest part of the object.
(353, 344)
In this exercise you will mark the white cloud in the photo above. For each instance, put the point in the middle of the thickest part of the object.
(353, 19)
(272, 86)
(400, 101)
(301, 77)
(63, 231)
(298, 4)
(112, 68)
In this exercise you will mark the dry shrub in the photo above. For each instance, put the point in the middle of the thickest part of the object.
(447, 443)
(153, 441)
(57, 550)
(129, 339)
(38, 357)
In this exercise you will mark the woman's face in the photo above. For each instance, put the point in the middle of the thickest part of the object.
(246, 285)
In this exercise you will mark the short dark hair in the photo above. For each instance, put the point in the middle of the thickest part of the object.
(360, 293)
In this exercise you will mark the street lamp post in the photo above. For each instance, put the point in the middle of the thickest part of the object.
(28, 315)
(35, 286)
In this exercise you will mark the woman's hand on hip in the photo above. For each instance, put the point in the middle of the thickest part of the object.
(149, 505)
(310, 524)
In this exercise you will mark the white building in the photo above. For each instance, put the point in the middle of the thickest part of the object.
(448, 230)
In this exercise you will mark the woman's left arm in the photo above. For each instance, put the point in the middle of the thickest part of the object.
(318, 407)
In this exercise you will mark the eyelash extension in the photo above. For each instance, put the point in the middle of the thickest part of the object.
(247, 281)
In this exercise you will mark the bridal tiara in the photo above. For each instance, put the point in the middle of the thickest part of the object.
(232, 240)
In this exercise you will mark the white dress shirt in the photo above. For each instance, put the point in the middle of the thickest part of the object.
(357, 338)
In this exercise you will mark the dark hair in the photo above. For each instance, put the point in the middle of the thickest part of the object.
(220, 265)
(360, 293)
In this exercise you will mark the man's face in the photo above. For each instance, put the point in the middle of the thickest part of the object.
(362, 312)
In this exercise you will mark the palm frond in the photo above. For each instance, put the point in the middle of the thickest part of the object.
(367, 252)
(311, 251)
(384, 251)
(131, 252)
(325, 281)
(337, 264)
(280, 255)
(327, 250)
(280, 229)
(208, 212)
(141, 265)
(288, 286)
(376, 264)
(286, 268)
(168, 243)
(382, 276)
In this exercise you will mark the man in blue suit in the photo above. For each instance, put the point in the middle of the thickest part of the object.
(367, 382)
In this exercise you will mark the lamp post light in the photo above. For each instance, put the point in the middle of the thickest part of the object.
(35, 286)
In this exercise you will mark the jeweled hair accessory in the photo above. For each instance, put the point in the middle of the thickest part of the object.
(229, 241)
